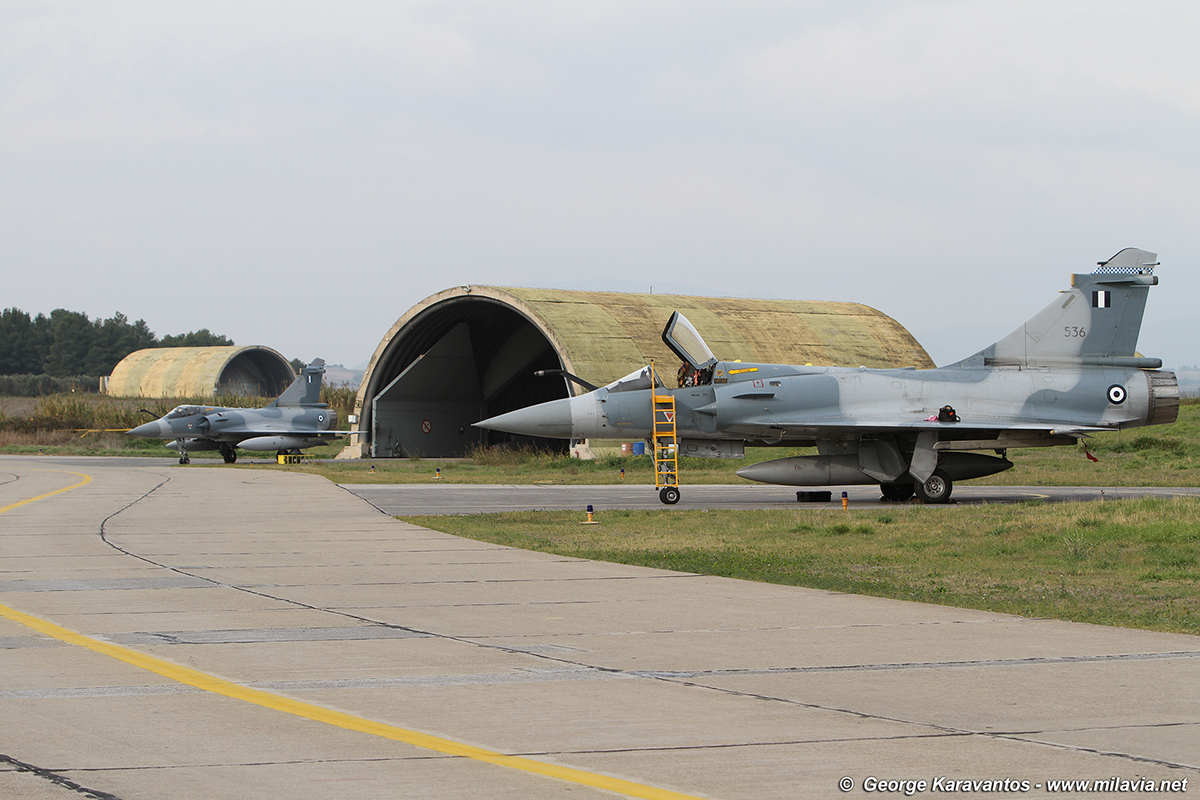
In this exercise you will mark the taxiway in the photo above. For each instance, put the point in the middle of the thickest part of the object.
(227, 633)
(446, 498)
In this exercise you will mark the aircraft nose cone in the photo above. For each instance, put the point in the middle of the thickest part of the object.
(552, 419)
(148, 430)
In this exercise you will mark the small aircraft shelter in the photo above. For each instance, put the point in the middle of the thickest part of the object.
(253, 371)
(470, 352)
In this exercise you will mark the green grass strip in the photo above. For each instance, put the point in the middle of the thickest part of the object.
(1130, 563)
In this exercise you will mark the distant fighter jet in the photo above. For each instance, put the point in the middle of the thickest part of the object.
(1070, 371)
(295, 420)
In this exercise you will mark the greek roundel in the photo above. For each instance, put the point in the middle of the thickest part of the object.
(1116, 394)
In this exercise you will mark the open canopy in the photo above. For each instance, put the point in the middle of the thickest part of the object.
(684, 340)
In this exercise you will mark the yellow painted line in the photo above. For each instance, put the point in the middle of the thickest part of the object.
(86, 480)
(211, 683)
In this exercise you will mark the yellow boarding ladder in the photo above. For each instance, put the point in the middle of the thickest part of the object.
(666, 453)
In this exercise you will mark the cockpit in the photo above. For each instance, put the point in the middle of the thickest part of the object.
(185, 411)
(697, 360)
(638, 379)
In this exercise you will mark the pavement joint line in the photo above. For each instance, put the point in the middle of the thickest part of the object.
(1028, 738)
(1031, 739)
(92, 692)
(211, 683)
(56, 778)
(273, 763)
(994, 662)
(335, 684)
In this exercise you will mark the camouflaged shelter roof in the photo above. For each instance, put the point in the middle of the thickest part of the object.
(196, 371)
(602, 336)
(605, 335)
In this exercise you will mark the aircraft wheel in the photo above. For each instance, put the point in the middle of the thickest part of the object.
(229, 454)
(935, 490)
(184, 460)
(669, 495)
(897, 491)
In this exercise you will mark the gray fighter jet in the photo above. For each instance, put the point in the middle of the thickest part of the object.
(1068, 372)
(294, 420)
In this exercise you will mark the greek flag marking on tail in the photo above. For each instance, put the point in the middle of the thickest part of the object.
(1102, 299)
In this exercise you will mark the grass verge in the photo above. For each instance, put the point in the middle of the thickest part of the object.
(1131, 563)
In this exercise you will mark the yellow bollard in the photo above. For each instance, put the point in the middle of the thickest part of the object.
(589, 520)
(438, 476)
(845, 501)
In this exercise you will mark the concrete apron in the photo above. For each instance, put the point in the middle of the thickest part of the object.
(270, 634)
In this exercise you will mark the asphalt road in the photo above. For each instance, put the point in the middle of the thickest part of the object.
(447, 498)
(455, 498)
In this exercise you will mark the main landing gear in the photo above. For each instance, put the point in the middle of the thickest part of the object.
(934, 491)
(228, 453)
(897, 492)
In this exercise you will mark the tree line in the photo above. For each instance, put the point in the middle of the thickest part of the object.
(67, 343)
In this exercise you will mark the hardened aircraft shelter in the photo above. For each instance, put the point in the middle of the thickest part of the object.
(254, 371)
(470, 352)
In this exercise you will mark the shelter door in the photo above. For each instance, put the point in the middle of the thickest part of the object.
(430, 406)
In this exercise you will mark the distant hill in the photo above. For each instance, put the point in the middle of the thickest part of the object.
(338, 375)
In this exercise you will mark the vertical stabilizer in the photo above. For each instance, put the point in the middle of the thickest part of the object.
(1096, 321)
(306, 389)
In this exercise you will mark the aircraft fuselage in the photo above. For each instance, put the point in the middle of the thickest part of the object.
(773, 403)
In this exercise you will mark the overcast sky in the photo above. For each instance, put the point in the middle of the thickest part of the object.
(299, 174)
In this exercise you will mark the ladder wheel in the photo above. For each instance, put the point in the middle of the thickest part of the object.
(669, 495)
